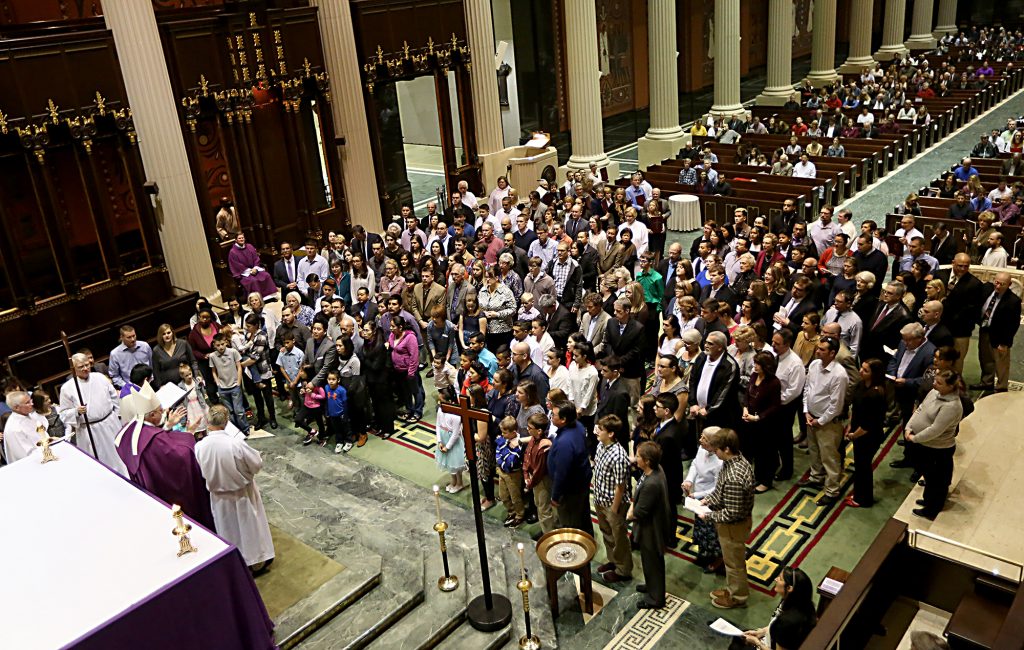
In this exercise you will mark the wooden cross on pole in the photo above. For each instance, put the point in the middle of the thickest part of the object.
(489, 611)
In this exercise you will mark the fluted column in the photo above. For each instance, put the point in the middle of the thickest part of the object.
(823, 43)
(946, 21)
(663, 72)
(584, 85)
(486, 113)
(161, 143)
(860, 37)
(727, 58)
(779, 84)
(921, 26)
(892, 30)
(362, 197)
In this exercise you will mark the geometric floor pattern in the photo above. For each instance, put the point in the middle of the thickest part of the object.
(647, 627)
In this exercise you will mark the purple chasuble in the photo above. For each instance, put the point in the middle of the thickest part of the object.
(240, 259)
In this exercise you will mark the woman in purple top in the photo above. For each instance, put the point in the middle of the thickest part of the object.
(246, 267)
(405, 356)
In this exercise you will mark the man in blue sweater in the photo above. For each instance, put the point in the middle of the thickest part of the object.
(569, 467)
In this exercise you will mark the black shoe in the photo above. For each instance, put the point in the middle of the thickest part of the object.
(902, 463)
(810, 484)
(915, 476)
(273, 424)
(982, 387)
(783, 477)
(643, 604)
(641, 587)
(508, 520)
(901, 442)
(920, 502)
(260, 424)
(607, 566)
(309, 439)
(430, 373)
(827, 500)
(921, 512)
(531, 518)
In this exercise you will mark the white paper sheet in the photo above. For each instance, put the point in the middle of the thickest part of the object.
(170, 395)
(723, 626)
(831, 586)
(694, 506)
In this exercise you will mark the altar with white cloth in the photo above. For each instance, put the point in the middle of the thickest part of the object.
(89, 561)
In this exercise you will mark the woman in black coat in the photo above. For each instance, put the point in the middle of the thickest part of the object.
(376, 368)
(867, 422)
(793, 620)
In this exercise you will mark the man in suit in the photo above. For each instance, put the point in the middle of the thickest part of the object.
(943, 245)
(613, 399)
(669, 436)
(653, 528)
(588, 261)
(561, 322)
(456, 292)
(714, 382)
(321, 354)
(718, 289)
(594, 324)
(783, 221)
(795, 305)
(883, 329)
(913, 356)
(964, 294)
(667, 269)
(425, 295)
(625, 340)
(871, 259)
(364, 308)
(1000, 318)
(362, 241)
(934, 331)
(286, 270)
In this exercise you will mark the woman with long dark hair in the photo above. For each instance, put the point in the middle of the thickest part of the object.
(256, 371)
(793, 619)
(867, 423)
(405, 356)
(760, 418)
(376, 366)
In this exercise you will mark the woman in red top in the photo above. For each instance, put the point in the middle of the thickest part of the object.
(656, 230)
(200, 339)
(759, 430)
(476, 375)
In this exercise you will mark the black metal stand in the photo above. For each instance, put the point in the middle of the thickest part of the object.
(489, 611)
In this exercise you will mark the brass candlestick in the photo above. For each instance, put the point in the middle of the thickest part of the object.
(529, 641)
(45, 441)
(447, 582)
(181, 530)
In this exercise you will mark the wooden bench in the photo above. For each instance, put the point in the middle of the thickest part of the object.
(979, 616)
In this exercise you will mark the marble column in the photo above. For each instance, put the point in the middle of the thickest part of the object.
(892, 30)
(823, 43)
(727, 58)
(946, 20)
(779, 84)
(584, 85)
(161, 143)
(362, 197)
(664, 138)
(921, 26)
(484, 82)
(860, 37)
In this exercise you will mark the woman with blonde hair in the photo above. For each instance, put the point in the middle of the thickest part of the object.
(168, 354)
(638, 308)
(935, 289)
(742, 350)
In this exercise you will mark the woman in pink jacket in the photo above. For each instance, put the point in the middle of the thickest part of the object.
(405, 355)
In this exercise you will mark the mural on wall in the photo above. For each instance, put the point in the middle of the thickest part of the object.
(615, 55)
(803, 18)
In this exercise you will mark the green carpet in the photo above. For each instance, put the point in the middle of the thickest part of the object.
(298, 570)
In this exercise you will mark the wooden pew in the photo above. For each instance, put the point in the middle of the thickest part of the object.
(720, 208)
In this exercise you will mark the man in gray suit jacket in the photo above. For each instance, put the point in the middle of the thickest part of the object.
(594, 323)
(321, 354)
(456, 291)
(653, 528)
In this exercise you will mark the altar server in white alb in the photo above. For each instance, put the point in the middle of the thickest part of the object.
(101, 407)
(24, 428)
(229, 466)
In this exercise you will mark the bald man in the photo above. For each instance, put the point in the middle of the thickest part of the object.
(964, 293)
(1000, 319)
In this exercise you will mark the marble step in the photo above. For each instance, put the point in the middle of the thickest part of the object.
(401, 590)
(466, 638)
(542, 625)
(438, 615)
(340, 592)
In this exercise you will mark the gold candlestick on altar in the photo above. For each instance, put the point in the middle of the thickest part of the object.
(447, 582)
(181, 530)
(45, 441)
(529, 641)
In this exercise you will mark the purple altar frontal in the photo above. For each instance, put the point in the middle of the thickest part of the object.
(89, 561)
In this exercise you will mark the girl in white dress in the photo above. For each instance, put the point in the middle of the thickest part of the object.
(450, 452)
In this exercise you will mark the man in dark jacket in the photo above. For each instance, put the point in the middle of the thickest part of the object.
(625, 337)
(653, 528)
(714, 382)
(883, 328)
(613, 399)
(1000, 319)
(962, 306)
(569, 467)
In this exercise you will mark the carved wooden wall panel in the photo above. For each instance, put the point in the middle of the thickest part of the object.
(20, 12)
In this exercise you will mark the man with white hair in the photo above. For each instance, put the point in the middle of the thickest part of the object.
(468, 197)
(98, 406)
(229, 466)
(160, 459)
(913, 356)
(24, 428)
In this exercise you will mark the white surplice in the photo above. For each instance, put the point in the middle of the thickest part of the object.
(21, 434)
(229, 466)
(103, 411)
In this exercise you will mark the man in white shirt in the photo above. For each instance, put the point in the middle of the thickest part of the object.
(311, 263)
(1002, 191)
(540, 342)
(805, 168)
(639, 230)
(468, 198)
(841, 312)
(907, 232)
(995, 255)
(824, 401)
(791, 374)
(823, 231)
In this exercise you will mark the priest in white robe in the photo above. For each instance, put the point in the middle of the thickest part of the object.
(24, 428)
(102, 408)
(229, 466)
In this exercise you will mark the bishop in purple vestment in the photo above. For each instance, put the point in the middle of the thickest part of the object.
(162, 461)
(246, 267)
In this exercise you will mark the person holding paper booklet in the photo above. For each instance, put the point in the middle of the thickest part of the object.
(793, 619)
(700, 482)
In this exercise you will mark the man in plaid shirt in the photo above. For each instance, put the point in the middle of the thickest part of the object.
(731, 505)
(611, 499)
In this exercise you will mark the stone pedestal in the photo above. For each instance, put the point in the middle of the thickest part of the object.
(664, 138)
(727, 58)
(946, 19)
(349, 112)
(860, 37)
(154, 109)
(892, 31)
(584, 86)
(921, 26)
(823, 45)
(779, 84)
